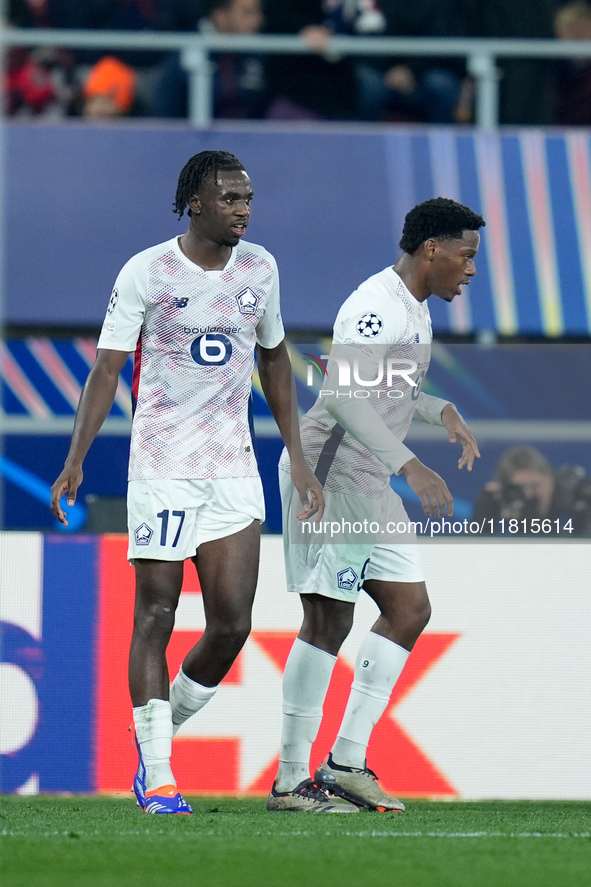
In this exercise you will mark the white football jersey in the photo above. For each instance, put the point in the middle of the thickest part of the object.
(380, 328)
(194, 334)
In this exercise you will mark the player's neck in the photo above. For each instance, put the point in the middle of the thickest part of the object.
(411, 278)
(208, 255)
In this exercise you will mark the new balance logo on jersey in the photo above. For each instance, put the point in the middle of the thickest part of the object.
(247, 301)
(347, 578)
(179, 302)
(143, 534)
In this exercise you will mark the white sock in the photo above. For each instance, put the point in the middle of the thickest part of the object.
(186, 698)
(153, 729)
(377, 668)
(305, 681)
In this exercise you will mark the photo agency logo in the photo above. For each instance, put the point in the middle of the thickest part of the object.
(314, 363)
(356, 372)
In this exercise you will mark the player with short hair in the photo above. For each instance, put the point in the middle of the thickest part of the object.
(193, 309)
(353, 439)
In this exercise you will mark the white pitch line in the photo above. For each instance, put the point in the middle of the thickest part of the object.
(348, 834)
(388, 834)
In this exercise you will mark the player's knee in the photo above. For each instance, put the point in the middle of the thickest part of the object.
(422, 615)
(327, 631)
(417, 611)
(414, 622)
(155, 620)
(231, 634)
(338, 630)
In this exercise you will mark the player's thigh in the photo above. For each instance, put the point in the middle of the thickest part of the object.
(399, 600)
(157, 586)
(228, 572)
(162, 518)
(231, 505)
(395, 580)
(331, 570)
(326, 622)
(396, 563)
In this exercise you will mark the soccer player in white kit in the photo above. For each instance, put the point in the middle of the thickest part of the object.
(193, 310)
(353, 439)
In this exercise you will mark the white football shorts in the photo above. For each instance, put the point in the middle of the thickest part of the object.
(169, 519)
(339, 570)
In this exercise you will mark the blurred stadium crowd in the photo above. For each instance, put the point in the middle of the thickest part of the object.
(54, 82)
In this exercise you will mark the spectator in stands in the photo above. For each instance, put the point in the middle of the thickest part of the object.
(64, 71)
(239, 78)
(573, 22)
(425, 89)
(109, 90)
(130, 15)
(178, 15)
(527, 86)
(107, 14)
(59, 13)
(309, 87)
(41, 81)
(527, 490)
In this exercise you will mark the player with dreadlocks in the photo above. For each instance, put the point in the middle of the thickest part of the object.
(353, 440)
(196, 170)
(193, 309)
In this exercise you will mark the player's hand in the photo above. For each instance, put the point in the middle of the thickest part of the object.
(429, 487)
(66, 484)
(458, 430)
(309, 490)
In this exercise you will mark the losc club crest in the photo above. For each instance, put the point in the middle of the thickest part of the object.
(346, 579)
(247, 301)
(143, 534)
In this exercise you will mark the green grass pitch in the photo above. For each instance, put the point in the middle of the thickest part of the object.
(103, 842)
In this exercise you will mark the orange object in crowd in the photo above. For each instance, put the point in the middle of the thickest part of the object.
(114, 79)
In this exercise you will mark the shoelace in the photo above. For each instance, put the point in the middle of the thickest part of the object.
(366, 772)
(311, 790)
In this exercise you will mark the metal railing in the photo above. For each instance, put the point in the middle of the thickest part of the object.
(196, 49)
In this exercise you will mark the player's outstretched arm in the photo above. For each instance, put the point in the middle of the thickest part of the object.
(279, 389)
(458, 430)
(95, 402)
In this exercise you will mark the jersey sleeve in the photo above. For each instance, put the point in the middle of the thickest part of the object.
(370, 321)
(125, 311)
(429, 409)
(370, 317)
(270, 331)
(360, 420)
(348, 364)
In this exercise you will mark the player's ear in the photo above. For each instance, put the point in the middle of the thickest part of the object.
(430, 247)
(195, 204)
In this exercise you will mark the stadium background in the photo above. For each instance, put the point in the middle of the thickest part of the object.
(494, 702)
